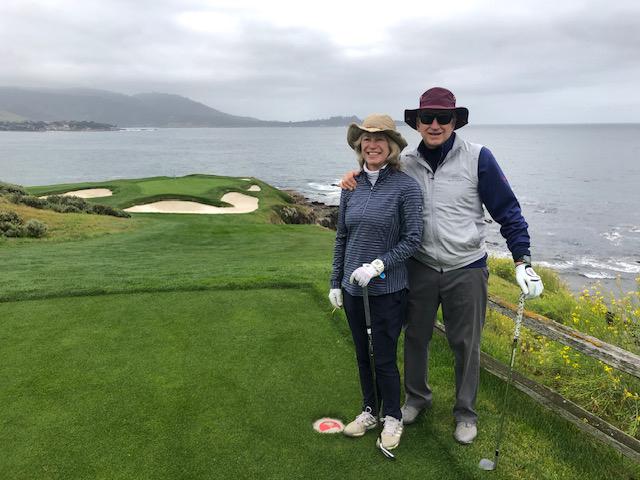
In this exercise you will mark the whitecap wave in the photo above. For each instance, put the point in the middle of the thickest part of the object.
(611, 264)
(558, 265)
(598, 275)
(614, 237)
(323, 187)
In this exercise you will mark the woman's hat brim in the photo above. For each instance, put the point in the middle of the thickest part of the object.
(462, 116)
(354, 131)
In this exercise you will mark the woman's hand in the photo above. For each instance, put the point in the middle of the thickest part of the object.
(335, 297)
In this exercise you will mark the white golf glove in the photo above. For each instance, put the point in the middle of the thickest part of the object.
(529, 281)
(363, 275)
(335, 297)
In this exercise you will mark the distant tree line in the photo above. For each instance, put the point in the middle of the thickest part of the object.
(61, 125)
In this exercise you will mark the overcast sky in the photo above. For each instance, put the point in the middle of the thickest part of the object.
(528, 61)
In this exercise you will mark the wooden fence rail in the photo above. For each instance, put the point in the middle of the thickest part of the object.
(610, 354)
(593, 347)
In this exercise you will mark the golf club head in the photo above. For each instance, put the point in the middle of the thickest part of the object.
(486, 464)
(387, 453)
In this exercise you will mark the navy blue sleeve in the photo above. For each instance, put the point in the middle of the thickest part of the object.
(341, 243)
(502, 204)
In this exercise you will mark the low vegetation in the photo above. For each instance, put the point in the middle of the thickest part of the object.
(613, 317)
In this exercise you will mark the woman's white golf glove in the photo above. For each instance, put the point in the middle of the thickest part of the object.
(363, 275)
(335, 297)
(529, 280)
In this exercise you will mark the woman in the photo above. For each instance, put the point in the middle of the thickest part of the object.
(379, 227)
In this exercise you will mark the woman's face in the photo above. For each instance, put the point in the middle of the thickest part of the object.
(375, 150)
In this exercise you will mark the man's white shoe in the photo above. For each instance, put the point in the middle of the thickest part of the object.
(363, 422)
(410, 414)
(391, 433)
(465, 432)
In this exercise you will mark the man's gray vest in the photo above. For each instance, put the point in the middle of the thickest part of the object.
(453, 234)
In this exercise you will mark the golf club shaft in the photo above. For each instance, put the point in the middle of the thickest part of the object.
(372, 367)
(516, 336)
(372, 362)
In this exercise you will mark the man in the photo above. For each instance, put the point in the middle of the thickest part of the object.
(457, 178)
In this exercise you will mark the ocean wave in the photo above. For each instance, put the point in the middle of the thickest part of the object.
(598, 275)
(323, 187)
(613, 236)
(611, 264)
(559, 265)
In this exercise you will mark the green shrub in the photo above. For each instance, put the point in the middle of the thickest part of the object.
(10, 224)
(65, 204)
(35, 229)
(30, 201)
(8, 188)
(107, 210)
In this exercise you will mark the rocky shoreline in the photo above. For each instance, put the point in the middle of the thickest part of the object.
(306, 211)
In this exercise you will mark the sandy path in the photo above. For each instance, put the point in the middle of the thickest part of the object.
(241, 204)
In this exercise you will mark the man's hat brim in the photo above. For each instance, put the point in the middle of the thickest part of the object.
(462, 116)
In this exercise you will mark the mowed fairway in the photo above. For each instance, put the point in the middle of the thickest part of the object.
(202, 347)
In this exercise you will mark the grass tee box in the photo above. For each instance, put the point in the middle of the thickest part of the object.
(202, 346)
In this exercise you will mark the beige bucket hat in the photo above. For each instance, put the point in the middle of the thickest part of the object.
(376, 122)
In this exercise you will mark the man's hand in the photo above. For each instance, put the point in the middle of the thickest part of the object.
(529, 281)
(348, 182)
(335, 297)
(363, 275)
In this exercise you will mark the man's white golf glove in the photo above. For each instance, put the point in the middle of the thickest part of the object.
(335, 297)
(363, 275)
(529, 281)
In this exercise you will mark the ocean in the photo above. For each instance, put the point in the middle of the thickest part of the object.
(577, 184)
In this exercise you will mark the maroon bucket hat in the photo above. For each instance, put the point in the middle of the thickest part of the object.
(437, 98)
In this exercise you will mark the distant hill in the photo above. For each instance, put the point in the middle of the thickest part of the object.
(141, 110)
(10, 117)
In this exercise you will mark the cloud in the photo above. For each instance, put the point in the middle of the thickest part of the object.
(508, 61)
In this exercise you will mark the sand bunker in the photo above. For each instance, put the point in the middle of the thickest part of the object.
(87, 193)
(241, 204)
(254, 188)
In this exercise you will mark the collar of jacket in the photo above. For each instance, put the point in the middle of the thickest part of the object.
(384, 173)
(453, 143)
(438, 154)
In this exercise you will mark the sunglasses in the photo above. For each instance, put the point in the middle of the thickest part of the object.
(443, 118)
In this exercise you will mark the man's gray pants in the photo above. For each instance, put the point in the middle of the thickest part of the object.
(463, 296)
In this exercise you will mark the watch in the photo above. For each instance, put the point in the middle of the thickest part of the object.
(524, 259)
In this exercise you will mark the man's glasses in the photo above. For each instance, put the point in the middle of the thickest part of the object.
(443, 118)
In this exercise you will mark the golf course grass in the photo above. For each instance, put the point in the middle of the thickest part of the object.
(203, 347)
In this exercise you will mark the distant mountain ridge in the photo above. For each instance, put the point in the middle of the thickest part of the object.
(141, 110)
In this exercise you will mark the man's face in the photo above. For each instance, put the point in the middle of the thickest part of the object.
(432, 131)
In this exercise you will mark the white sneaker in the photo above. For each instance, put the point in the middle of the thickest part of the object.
(363, 422)
(410, 414)
(465, 432)
(391, 433)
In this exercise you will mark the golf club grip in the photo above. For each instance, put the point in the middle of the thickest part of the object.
(367, 311)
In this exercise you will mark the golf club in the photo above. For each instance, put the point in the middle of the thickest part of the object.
(372, 366)
(485, 463)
